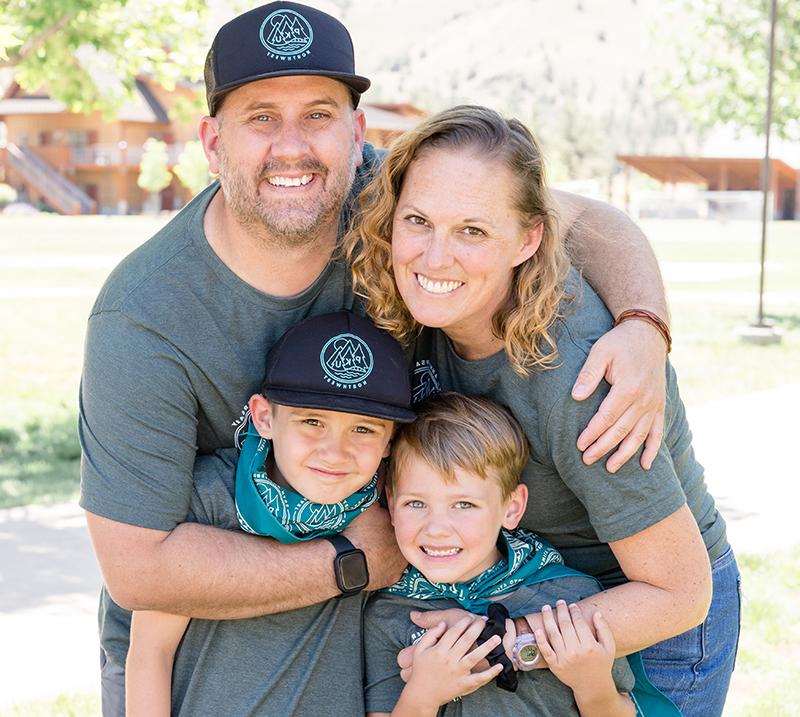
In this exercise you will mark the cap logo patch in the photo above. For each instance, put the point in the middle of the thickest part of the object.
(287, 35)
(346, 360)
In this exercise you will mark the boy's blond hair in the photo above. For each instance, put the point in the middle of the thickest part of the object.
(470, 432)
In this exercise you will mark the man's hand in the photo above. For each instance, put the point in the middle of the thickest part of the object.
(372, 532)
(631, 358)
(428, 619)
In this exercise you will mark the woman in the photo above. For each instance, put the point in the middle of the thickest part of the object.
(457, 235)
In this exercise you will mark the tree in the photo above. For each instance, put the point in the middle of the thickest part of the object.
(72, 46)
(721, 70)
(153, 173)
(192, 167)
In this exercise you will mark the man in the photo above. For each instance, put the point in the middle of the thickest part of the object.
(177, 338)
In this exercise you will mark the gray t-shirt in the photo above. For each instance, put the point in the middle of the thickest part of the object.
(175, 344)
(580, 508)
(297, 663)
(388, 629)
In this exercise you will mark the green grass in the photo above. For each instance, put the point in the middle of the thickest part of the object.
(766, 681)
(42, 346)
(66, 705)
(707, 310)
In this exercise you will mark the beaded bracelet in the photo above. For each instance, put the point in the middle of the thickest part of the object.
(652, 319)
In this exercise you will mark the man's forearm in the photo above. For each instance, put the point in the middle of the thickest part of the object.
(613, 254)
(206, 572)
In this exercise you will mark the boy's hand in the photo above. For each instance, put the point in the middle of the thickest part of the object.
(428, 619)
(443, 662)
(573, 654)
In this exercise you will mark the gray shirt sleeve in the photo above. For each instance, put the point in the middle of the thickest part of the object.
(137, 425)
(618, 504)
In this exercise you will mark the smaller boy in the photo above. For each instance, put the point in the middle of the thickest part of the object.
(455, 499)
(317, 433)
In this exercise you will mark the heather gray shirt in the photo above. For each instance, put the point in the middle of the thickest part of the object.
(175, 344)
(580, 508)
(388, 629)
(294, 664)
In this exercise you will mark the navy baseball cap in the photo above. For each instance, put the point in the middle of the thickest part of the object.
(279, 39)
(340, 362)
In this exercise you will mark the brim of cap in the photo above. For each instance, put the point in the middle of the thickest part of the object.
(357, 82)
(342, 404)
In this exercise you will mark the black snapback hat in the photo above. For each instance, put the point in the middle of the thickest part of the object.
(340, 362)
(275, 40)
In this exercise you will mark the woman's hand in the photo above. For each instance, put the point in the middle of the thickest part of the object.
(573, 653)
(631, 358)
(444, 659)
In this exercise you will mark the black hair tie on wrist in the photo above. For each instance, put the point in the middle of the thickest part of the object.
(496, 625)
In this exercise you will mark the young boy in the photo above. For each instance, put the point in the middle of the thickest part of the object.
(455, 499)
(317, 433)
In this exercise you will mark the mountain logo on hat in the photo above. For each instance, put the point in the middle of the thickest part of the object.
(286, 34)
(346, 360)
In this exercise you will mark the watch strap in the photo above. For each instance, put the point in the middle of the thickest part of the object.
(342, 544)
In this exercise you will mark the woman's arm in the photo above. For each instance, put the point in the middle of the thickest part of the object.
(148, 669)
(669, 590)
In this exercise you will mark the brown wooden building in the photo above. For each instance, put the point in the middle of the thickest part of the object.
(725, 174)
(83, 163)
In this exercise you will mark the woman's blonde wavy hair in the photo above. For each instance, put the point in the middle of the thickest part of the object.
(523, 323)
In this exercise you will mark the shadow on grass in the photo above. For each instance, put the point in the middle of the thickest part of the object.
(39, 462)
(789, 322)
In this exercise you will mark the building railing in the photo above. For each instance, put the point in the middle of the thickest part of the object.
(113, 155)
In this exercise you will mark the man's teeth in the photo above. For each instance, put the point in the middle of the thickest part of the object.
(290, 181)
(437, 287)
(433, 552)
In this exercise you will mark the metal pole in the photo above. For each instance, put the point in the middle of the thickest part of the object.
(765, 171)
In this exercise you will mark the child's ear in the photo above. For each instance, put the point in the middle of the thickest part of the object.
(515, 506)
(388, 450)
(261, 414)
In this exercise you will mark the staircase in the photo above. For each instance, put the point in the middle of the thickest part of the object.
(60, 193)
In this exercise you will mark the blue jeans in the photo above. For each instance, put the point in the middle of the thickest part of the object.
(694, 669)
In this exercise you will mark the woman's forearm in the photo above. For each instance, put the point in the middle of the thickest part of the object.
(670, 584)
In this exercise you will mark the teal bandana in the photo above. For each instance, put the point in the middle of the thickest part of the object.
(265, 508)
(527, 560)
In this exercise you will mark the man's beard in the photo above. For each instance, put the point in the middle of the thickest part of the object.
(289, 223)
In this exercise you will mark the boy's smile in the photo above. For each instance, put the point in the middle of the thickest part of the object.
(323, 455)
(448, 531)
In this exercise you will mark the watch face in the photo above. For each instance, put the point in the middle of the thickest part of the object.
(353, 571)
(528, 654)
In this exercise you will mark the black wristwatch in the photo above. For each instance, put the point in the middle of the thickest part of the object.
(349, 566)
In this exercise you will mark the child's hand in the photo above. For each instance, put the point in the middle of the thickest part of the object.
(428, 619)
(572, 652)
(443, 663)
